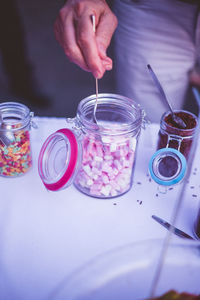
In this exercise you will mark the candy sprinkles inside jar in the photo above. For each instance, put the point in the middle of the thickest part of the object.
(97, 158)
(15, 150)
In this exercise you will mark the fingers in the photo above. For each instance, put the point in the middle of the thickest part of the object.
(86, 40)
(66, 36)
(194, 77)
(105, 30)
(74, 31)
(106, 27)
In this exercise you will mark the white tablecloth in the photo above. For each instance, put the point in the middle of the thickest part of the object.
(44, 236)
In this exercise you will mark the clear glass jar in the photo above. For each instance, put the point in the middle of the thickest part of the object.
(173, 137)
(15, 148)
(97, 158)
(168, 164)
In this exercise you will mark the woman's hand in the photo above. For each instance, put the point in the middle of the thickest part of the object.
(74, 31)
(194, 77)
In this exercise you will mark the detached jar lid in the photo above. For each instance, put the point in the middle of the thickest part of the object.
(167, 166)
(58, 159)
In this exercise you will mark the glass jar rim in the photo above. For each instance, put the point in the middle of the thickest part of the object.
(21, 110)
(118, 100)
(181, 130)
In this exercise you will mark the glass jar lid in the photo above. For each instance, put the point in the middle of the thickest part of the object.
(167, 166)
(57, 163)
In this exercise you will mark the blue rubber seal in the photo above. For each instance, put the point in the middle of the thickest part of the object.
(154, 163)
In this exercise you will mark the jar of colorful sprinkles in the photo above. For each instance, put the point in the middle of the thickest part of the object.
(97, 157)
(15, 148)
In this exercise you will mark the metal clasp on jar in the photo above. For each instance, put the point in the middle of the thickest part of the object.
(145, 119)
(73, 124)
(172, 138)
(32, 123)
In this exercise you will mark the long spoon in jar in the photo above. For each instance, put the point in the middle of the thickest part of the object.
(95, 106)
(177, 120)
(6, 137)
(97, 91)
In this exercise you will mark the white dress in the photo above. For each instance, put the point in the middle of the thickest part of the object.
(164, 34)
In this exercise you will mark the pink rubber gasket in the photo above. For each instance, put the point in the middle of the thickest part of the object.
(72, 161)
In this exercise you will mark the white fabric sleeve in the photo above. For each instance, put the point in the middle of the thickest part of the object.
(160, 33)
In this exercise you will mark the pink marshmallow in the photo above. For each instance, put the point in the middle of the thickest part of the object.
(106, 169)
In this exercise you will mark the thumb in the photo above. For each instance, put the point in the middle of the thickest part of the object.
(194, 77)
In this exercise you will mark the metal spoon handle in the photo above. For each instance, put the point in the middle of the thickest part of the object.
(177, 120)
(96, 80)
(159, 87)
(95, 106)
(173, 229)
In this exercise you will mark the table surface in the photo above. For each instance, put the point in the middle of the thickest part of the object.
(44, 236)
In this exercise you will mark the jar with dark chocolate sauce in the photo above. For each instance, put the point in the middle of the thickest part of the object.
(171, 136)
(168, 164)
